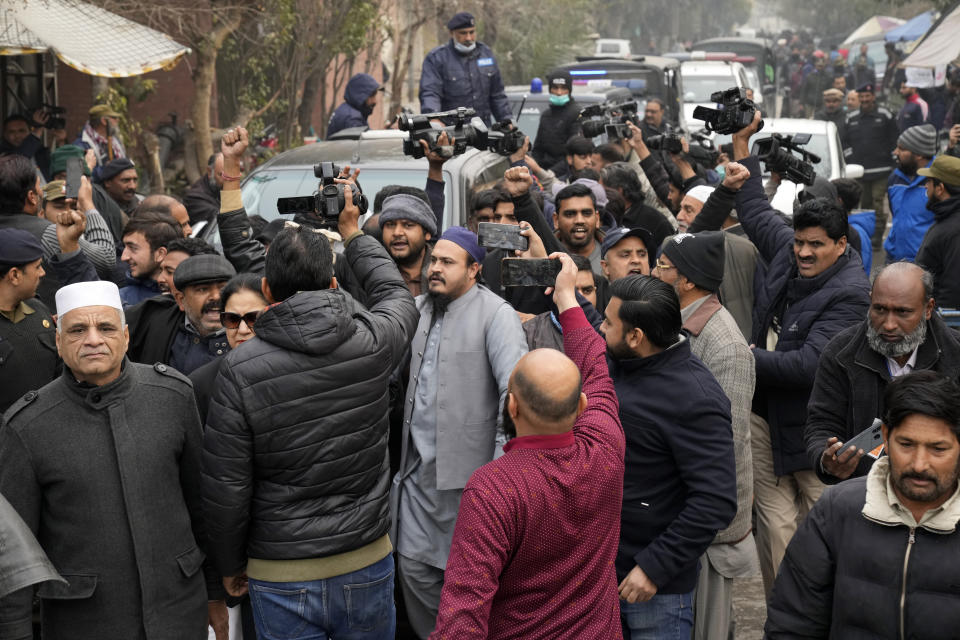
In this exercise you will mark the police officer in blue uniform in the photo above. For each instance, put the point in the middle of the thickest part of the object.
(463, 73)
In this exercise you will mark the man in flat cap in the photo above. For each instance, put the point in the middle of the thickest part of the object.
(694, 265)
(940, 251)
(103, 465)
(28, 353)
(465, 347)
(869, 138)
(463, 73)
(183, 331)
(832, 109)
(101, 133)
(119, 180)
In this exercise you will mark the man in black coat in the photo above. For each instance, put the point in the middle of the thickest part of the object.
(902, 333)
(103, 465)
(814, 287)
(877, 556)
(202, 199)
(940, 250)
(298, 424)
(183, 330)
(558, 123)
(679, 486)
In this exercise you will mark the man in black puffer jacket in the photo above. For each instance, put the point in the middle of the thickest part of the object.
(296, 476)
(813, 287)
(877, 556)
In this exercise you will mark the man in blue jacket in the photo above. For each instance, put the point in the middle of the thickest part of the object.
(908, 196)
(359, 101)
(463, 73)
(813, 288)
(679, 485)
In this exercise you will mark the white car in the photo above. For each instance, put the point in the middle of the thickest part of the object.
(701, 78)
(824, 142)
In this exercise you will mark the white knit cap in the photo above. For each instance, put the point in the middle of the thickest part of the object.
(700, 192)
(87, 294)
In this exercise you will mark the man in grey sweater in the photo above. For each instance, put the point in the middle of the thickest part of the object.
(693, 264)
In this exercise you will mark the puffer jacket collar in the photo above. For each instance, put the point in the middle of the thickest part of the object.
(946, 208)
(880, 507)
(314, 322)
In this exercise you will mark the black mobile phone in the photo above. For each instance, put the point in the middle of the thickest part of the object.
(501, 236)
(529, 272)
(74, 173)
(868, 440)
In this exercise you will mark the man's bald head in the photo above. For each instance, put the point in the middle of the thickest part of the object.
(169, 205)
(905, 275)
(545, 393)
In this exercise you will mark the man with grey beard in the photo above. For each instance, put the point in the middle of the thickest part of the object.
(902, 333)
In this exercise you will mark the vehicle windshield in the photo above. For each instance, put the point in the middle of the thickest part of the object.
(818, 145)
(261, 190)
(698, 88)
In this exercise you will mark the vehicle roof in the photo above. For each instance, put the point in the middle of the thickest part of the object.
(384, 147)
(794, 125)
(708, 67)
(637, 62)
(755, 42)
(580, 92)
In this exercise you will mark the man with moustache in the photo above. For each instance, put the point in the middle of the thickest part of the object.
(466, 345)
(408, 225)
(907, 193)
(119, 180)
(813, 288)
(627, 252)
(183, 330)
(877, 556)
(178, 250)
(578, 223)
(902, 333)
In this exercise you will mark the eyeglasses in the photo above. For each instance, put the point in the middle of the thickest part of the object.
(232, 320)
(663, 267)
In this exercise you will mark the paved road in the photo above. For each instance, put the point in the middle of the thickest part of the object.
(749, 608)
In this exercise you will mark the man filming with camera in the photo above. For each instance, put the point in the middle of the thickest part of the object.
(296, 476)
(814, 287)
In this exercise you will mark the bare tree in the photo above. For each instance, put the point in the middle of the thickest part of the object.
(413, 16)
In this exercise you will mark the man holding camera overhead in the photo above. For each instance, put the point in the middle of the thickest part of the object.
(463, 73)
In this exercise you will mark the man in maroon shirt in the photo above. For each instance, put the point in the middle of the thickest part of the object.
(537, 531)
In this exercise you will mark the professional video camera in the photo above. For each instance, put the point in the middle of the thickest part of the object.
(703, 149)
(669, 142)
(504, 140)
(735, 112)
(466, 131)
(323, 208)
(55, 119)
(774, 152)
(610, 119)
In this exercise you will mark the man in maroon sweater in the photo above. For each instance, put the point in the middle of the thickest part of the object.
(537, 531)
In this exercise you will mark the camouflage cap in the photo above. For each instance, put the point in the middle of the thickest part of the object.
(55, 190)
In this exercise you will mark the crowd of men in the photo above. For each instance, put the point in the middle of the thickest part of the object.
(364, 432)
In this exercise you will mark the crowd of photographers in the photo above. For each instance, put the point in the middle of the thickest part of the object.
(625, 382)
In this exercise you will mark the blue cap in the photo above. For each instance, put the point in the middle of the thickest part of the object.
(616, 235)
(467, 240)
(462, 20)
(19, 247)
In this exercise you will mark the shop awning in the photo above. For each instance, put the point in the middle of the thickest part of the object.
(873, 29)
(941, 46)
(913, 29)
(87, 38)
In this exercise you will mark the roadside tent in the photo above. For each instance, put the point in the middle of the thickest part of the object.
(913, 29)
(941, 46)
(89, 39)
(873, 29)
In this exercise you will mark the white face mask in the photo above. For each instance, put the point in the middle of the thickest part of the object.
(462, 48)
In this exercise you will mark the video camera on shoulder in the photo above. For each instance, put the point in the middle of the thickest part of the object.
(467, 131)
(322, 209)
(735, 111)
(775, 153)
(609, 119)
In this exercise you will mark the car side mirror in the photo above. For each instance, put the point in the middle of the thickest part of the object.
(853, 171)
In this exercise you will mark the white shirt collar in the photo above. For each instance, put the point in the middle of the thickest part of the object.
(896, 370)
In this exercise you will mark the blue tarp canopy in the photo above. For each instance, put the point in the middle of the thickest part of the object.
(912, 29)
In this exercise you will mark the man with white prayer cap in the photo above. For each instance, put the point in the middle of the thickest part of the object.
(103, 465)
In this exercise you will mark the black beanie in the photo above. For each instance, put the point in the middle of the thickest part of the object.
(698, 257)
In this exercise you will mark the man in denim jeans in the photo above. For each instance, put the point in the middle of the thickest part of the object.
(296, 475)
(679, 483)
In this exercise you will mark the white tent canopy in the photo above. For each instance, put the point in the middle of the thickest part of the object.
(941, 46)
(873, 29)
(85, 37)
